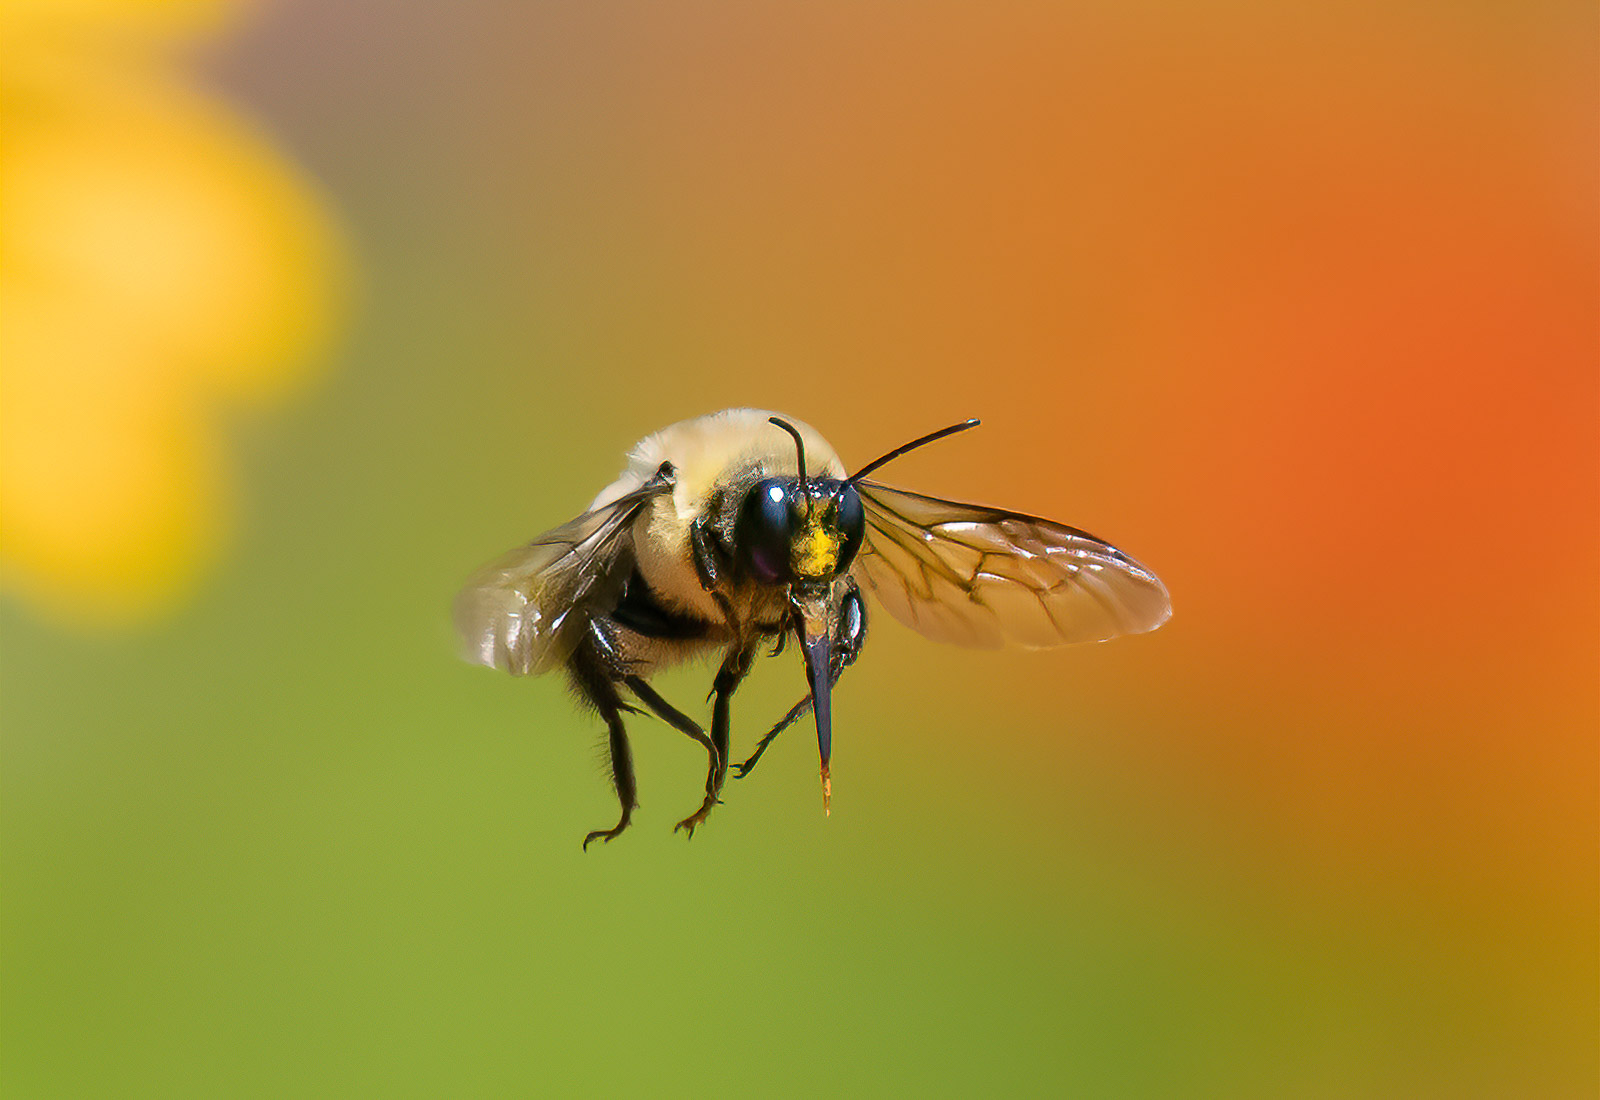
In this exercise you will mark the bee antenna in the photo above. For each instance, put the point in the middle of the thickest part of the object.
(913, 445)
(799, 446)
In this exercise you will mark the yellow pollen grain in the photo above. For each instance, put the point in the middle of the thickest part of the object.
(816, 552)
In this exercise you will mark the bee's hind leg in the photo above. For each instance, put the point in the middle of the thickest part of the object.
(622, 777)
(593, 679)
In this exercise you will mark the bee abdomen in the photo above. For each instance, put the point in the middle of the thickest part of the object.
(643, 613)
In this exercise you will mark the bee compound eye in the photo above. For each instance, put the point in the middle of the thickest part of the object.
(764, 530)
(852, 520)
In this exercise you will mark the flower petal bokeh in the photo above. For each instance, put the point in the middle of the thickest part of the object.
(165, 267)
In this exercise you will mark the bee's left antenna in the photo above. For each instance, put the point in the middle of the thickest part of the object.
(799, 446)
(913, 445)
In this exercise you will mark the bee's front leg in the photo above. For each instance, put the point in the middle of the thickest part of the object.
(850, 634)
(710, 565)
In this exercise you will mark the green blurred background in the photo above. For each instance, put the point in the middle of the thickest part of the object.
(1296, 307)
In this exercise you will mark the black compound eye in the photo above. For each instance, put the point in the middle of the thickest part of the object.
(764, 532)
(852, 525)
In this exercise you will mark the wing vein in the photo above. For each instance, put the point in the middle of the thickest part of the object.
(958, 572)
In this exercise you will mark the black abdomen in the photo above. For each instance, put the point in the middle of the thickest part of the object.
(641, 612)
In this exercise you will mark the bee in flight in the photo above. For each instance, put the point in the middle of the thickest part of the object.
(741, 529)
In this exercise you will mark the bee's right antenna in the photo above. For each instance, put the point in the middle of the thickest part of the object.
(799, 446)
(913, 445)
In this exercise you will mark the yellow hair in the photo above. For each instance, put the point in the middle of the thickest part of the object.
(816, 552)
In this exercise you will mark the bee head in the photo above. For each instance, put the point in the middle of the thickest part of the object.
(802, 533)
(792, 531)
(797, 530)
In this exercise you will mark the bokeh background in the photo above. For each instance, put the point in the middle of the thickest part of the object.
(310, 308)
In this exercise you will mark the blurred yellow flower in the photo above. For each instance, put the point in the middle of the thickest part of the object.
(160, 263)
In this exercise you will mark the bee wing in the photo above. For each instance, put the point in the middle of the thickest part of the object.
(524, 611)
(982, 577)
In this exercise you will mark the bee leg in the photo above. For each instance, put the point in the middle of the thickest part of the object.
(734, 667)
(673, 717)
(733, 671)
(622, 777)
(797, 712)
(592, 679)
(705, 556)
(849, 635)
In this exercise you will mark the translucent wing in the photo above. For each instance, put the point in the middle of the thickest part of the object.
(524, 611)
(982, 577)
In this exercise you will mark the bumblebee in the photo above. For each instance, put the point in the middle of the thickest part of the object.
(739, 530)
